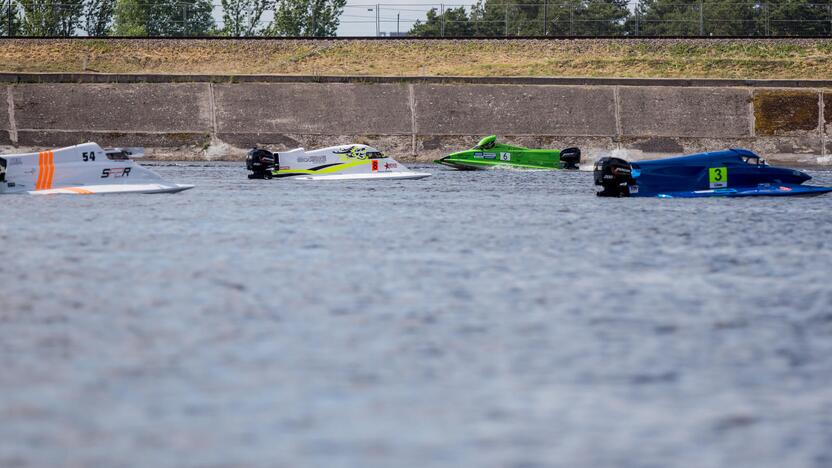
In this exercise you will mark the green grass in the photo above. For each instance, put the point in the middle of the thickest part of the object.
(683, 58)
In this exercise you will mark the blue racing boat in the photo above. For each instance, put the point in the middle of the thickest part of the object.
(727, 173)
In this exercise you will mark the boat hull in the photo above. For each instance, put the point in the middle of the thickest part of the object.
(344, 162)
(489, 154)
(474, 165)
(376, 176)
(84, 169)
(729, 173)
(114, 189)
(782, 190)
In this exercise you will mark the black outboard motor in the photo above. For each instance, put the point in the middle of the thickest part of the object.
(261, 163)
(2, 170)
(570, 158)
(614, 175)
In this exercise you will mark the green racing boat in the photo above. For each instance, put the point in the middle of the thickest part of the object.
(488, 154)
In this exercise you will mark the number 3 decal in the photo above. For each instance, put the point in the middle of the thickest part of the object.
(718, 177)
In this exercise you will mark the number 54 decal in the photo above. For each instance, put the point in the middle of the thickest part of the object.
(718, 177)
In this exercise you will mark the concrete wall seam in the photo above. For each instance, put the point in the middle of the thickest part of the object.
(822, 123)
(12, 123)
(752, 119)
(213, 111)
(617, 110)
(414, 127)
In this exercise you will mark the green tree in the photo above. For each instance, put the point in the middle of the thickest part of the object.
(796, 18)
(51, 17)
(508, 17)
(163, 18)
(550, 17)
(695, 17)
(242, 17)
(318, 18)
(456, 24)
(130, 19)
(601, 17)
(98, 17)
(667, 18)
(9, 18)
(729, 18)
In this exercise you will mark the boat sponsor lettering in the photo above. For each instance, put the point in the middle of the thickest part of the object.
(634, 189)
(312, 159)
(389, 166)
(115, 173)
(478, 155)
(15, 162)
(489, 155)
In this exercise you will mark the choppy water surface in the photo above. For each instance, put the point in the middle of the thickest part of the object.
(471, 319)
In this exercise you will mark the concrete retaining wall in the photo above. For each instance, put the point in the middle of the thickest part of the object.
(420, 119)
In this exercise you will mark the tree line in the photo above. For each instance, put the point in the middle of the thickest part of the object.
(173, 18)
(620, 18)
(320, 18)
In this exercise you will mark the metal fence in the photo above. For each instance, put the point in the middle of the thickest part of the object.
(495, 19)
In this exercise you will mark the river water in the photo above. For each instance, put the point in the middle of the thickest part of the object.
(491, 319)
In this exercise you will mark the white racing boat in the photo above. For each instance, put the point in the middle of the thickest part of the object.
(345, 162)
(81, 170)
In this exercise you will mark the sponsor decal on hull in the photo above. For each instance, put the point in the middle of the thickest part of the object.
(312, 159)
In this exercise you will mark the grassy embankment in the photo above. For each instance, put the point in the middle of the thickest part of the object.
(689, 58)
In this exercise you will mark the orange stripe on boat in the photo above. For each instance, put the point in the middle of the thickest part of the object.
(41, 171)
(79, 190)
(50, 173)
(45, 170)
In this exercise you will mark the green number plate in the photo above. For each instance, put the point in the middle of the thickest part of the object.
(718, 177)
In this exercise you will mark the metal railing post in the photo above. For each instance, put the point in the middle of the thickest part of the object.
(378, 26)
(830, 19)
(701, 19)
(571, 20)
(638, 17)
(546, 17)
(442, 23)
(184, 19)
(505, 5)
(767, 21)
(10, 31)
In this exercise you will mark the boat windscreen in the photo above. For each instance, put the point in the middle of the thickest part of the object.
(375, 155)
(487, 142)
(117, 156)
(754, 161)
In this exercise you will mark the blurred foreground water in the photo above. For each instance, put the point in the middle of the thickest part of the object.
(492, 319)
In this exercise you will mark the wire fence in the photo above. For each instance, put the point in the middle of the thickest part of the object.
(20, 18)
